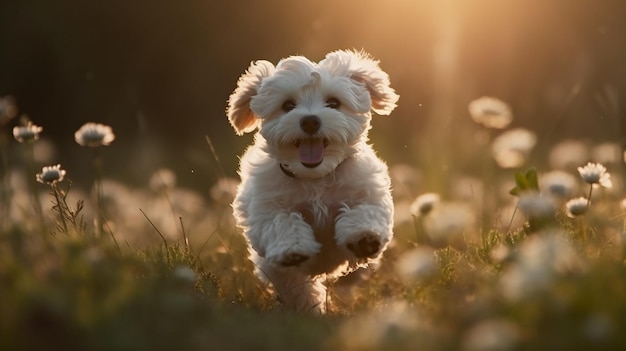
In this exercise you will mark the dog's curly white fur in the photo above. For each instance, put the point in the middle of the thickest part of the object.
(314, 201)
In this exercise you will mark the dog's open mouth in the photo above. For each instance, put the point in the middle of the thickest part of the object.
(311, 151)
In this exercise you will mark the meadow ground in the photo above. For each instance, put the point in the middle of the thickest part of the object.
(499, 256)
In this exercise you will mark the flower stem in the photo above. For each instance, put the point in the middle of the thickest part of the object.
(97, 163)
(32, 183)
(60, 207)
(589, 196)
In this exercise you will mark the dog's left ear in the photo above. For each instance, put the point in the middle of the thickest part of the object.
(239, 113)
(362, 68)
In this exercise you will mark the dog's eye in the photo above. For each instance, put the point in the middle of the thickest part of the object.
(333, 103)
(288, 105)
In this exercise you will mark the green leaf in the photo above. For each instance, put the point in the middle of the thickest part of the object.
(525, 182)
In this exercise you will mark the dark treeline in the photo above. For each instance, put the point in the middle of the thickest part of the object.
(163, 70)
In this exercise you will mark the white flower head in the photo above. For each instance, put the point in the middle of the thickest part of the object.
(162, 180)
(536, 206)
(449, 222)
(490, 112)
(568, 153)
(51, 174)
(511, 148)
(559, 184)
(424, 204)
(94, 135)
(595, 173)
(495, 334)
(223, 192)
(417, 263)
(8, 109)
(28, 133)
(542, 258)
(576, 207)
(185, 274)
(607, 153)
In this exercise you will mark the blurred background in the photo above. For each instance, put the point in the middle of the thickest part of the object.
(160, 72)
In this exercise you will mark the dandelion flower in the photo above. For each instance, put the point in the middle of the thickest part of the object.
(595, 173)
(51, 175)
(490, 112)
(28, 133)
(94, 135)
(424, 204)
(576, 207)
(511, 148)
(8, 109)
(559, 184)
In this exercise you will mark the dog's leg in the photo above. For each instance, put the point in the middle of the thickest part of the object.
(296, 291)
(284, 239)
(365, 229)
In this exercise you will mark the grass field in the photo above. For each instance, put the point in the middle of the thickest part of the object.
(495, 257)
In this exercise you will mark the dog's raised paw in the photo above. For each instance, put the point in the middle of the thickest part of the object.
(367, 246)
(293, 259)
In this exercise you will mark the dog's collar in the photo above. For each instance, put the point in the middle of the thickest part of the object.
(290, 174)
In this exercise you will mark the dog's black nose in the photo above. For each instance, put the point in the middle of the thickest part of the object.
(310, 124)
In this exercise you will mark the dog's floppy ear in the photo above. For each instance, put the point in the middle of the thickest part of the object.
(239, 113)
(362, 68)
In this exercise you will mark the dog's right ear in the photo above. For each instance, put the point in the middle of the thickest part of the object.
(239, 113)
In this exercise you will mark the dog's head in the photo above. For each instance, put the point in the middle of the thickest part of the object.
(311, 115)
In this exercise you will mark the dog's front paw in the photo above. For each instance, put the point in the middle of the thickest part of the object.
(368, 245)
(293, 254)
(293, 259)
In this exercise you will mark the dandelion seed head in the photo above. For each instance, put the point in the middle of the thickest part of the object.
(223, 192)
(94, 135)
(28, 133)
(376, 326)
(424, 204)
(490, 112)
(607, 153)
(449, 221)
(598, 327)
(576, 207)
(558, 184)
(162, 180)
(491, 335)
(405, 180)
(536, 206)
(417, 263)
(511, 148)
(541, 259)
(8, 109)
(185, 274)
(51, 174)
(500, 253)
(595, 173)
(567, 154)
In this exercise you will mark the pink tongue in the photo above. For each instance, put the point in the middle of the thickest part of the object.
(311, 151)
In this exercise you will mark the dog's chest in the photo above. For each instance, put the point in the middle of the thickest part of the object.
(320, 206)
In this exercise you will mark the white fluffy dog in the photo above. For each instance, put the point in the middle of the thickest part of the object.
(315, 201)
